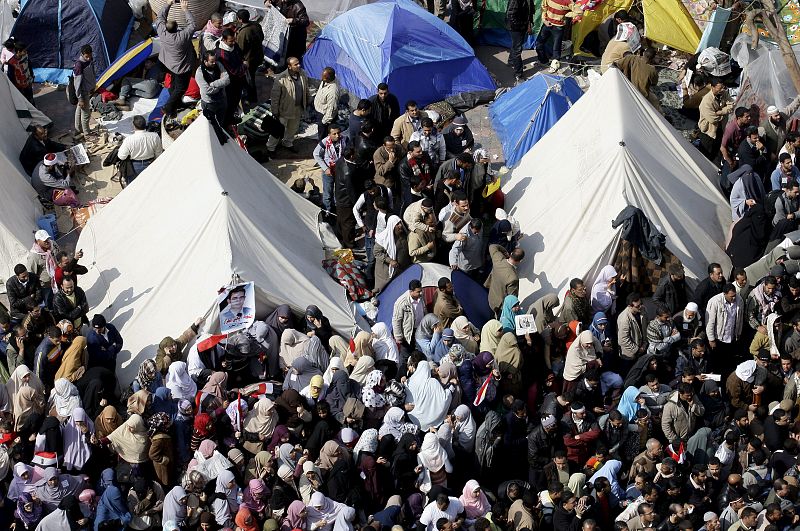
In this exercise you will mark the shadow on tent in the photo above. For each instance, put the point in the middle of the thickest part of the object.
(472, 296)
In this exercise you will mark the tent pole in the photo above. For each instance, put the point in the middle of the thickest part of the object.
(533, 118)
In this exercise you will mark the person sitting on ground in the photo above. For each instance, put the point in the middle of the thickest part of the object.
(148, 86)
(36, 147)
(53, 174)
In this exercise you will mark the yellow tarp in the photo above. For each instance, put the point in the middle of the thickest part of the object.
(592, 19)
(668, 22)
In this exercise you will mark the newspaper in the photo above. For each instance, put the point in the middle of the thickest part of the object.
(79, 153)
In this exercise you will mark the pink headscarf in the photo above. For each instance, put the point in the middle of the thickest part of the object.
(293, 518)
(212, 29)
(254, 497)
(475, 505)
(207, 448)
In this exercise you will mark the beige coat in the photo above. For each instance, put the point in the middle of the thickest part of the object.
(383, 166)
(283, 96)
(578, 358)
(630, 335)
(326, 101)
(504, 279)
(716, 316)
(713, 113)
(403, 129)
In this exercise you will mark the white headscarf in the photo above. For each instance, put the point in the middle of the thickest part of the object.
(77, 450)
(432, 456)
(335, 513)
(64, 397)
(383, 344)
(773, 344)
(746, 370)
(180, 383)
(465, 427)
(602, 296)
(335, 363)
(431, 400)
(386, 240)
(236, 411)
(369, 396)
(368, 442)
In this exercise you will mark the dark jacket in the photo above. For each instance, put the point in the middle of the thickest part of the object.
(704, 291)
(519, 15)
(671, 293)
(345, 193)
(384, 114)
(33, 152)
(365, 147)
(103, 351)
(250, 38)
(19, 295)
(564, 521)
(542, 446)
(64, 309)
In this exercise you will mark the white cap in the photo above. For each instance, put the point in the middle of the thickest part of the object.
(772, 110)
(41, 235)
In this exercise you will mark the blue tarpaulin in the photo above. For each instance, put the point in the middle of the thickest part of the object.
(399, 43)
(524, 114)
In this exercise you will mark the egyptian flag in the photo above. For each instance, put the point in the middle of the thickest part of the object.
(210, 342)
(481, 395)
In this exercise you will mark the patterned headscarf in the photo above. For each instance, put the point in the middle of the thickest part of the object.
(147, 373)
(158, 423)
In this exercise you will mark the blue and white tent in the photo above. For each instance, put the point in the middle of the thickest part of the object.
(399, 43)
(55, 30)
(522, 116)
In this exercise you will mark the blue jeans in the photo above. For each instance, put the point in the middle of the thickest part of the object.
(546, 34)
(327, 192)
(138, 167)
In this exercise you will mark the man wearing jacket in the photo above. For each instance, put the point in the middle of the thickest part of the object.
(724, 320)
(21, 289)
(84, 81)
(250, 37)
(519, 19)
(345, 194)
(103, 343)
(407, 314)
(631, 330)
(177, 54)
(70, 304)
(288, 102)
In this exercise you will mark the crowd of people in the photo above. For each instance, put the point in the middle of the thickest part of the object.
(603, 418)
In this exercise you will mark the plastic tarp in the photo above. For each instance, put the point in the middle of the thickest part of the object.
(19, 207)
(492, 24)
(7, 8)
(324, 11)
(592, 19)
(523, 115)
(765, 82)
(714, 29)
(200, 214)
(471, 295)
(668, 22)
(389, 42)
(612, 149)
(55, 30)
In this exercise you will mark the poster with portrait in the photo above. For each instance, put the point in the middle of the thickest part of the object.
(237, 307)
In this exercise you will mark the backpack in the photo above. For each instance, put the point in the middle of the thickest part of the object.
(769, 203)
(72, 96)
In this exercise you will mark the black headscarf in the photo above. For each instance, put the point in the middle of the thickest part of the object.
(749, 237)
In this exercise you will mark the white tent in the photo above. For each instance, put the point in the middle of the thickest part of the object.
(202, 212)
(19, 207)
(610, 150)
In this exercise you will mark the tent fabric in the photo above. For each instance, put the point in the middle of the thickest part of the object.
(612, 149)
(668, 22)
(19, 207)
(522, 116)
(592, 19)
(765, 83)
(202, 212)
(55, 30)
(128, 61)
(471, 295)
(389, 41)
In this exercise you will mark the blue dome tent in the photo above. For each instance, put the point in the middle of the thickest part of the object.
(55, 30)
(524, 114)
(399, 43)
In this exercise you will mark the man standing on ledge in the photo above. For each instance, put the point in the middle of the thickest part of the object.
(177, 55)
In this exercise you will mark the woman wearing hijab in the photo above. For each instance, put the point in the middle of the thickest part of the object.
(24, 480)
(260, 466)
(372, 391)
(108, 421)
(604, 291)
(284, 491)
(363, 348)
(28, 513)
(161, 452)
(97, 386)
(315, 391)
(175, 509)
(112, 506)
(747, 191)
(363, 367)
(318, 325)
(598, 328)
(342, 480)
(54, 487)
(22, 378)
(217, 385)
(336, 364)
(292, 346)
(280, 319)
(64, 398)
(225, 504)
(74, 360)
(245, 521)
(543, 310)
(299, 375)
(509, 362)
(610, 471)
(315, 353)
(29, 405)
(631, 402)
(76, 434)
(339, 390)
(330, 453)
(145, 502)
(148, 377)
(428, 335)
(130, 441)
(475, 503)
(431, 400)
(491, 333)
(749, 237)
(510, 309)
(49, 437)
(139, 403)
(446, 372)
(296, 517)
(464, 430)
(292, 410)
(256, 497)
(582, 354)
(331, 514)
(435, 463)
(179, 382)
(66, 516)
(391, 252)
(466, 333)
(404, 464)
(310, 480)
(259, 424)
(280, 435)
(395, 424)
(164, 403)
(383, 344)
